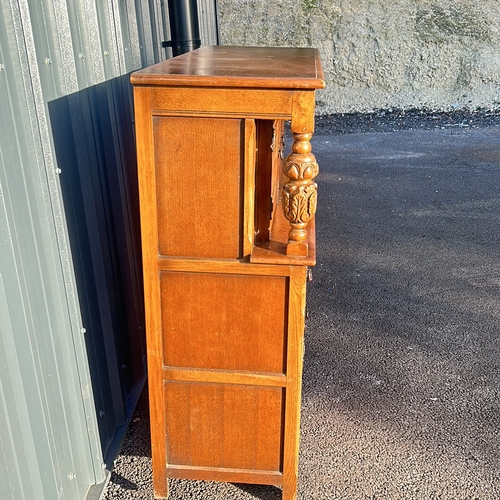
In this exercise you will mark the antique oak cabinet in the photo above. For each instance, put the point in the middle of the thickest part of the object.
(227, 223)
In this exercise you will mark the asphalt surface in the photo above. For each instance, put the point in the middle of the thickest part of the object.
(402, 366)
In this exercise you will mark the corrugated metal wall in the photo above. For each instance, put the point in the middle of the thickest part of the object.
(71, 344)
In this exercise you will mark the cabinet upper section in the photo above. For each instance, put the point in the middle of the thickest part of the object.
(248, 67)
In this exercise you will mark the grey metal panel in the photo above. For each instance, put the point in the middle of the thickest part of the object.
(45, 396)
(157, 32)
(207, 10)
(20, 474)
(145, 32)
(130, 35)
(85, 42)
(51, 443)
(109, 42)
(120, 41)
(69, 263)
(64, 59)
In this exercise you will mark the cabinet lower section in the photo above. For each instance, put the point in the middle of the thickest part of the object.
(230, 351)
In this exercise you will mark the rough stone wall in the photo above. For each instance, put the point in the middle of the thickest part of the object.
(381, 54)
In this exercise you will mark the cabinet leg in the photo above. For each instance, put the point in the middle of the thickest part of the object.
(161, 492)
(289, 489)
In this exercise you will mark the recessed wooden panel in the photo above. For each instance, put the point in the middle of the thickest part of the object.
(223, 321)
(224, 426)
(199, 190)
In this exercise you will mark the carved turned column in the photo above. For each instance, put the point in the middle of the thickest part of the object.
(300, 192)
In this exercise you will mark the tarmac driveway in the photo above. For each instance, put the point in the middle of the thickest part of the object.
(402, 365)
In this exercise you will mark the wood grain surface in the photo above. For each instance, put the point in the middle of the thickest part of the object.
(268, 67)
(199, 172)
(221, 321)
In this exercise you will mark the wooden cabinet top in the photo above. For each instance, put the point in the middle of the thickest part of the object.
(248, 67)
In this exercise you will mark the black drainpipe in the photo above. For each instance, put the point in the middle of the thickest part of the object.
(184, 26)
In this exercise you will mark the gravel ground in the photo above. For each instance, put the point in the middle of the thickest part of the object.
(402, 366)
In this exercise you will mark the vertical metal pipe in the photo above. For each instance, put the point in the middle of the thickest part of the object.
(217, 28)
(184, 26)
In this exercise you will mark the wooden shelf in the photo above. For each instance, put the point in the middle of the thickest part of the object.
(274, 251)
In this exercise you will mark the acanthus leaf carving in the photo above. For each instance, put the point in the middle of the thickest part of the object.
(300, 192)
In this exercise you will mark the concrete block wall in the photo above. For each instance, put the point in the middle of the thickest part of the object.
(382, 54)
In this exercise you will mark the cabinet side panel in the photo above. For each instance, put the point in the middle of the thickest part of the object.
(199, 163)
(222, 321)
(224, 426)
